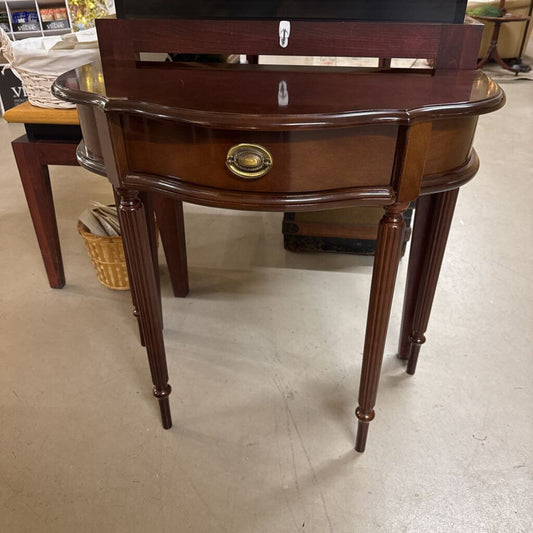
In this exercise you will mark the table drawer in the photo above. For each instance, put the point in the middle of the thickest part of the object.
(302, 161)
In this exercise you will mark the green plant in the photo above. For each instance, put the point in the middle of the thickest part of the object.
(485, 11)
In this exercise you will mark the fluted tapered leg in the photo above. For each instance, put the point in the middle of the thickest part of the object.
(148, 202)
(143, 280)
(390, 234)
(421, 230)
(432, 228)
(132, 288)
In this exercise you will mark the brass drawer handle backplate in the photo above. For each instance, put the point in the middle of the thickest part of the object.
(249, 161)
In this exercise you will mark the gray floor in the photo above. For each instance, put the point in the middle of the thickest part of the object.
(264, 359)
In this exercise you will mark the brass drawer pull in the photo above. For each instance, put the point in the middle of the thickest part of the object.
(249, 161)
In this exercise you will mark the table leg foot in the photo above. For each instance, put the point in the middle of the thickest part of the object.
(363, 424)
(164, 406)
(416, 344)
(362, 433)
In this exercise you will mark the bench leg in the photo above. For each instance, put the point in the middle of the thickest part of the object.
(36, 183)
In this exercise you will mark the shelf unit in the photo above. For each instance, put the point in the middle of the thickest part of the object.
(11, 90)
(9, 7)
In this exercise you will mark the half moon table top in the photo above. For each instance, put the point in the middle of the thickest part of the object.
(251, 97)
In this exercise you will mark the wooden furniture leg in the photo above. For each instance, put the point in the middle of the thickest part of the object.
(169, 215)
(33, 158)
(135, 309)
(432, 226)
(147, 200)
(493, 46)
(418, 246)
(138, 250)
(390, 233)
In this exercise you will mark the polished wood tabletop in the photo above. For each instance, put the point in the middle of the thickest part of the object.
(228, 96)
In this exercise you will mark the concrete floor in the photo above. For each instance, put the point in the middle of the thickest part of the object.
(264, 360)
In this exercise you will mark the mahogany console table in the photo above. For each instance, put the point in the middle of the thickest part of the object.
(274, 138)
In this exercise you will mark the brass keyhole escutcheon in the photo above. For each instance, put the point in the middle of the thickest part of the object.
(249, 161)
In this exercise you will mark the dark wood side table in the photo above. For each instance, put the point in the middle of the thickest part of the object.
(221, 136)
(492, 51)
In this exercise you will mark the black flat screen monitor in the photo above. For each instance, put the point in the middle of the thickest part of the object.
(450, 11)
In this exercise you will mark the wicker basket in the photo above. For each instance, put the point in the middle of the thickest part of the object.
(38, 68)
(38, 88)
(107, 255)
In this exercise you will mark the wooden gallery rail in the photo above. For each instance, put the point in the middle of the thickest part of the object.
(229, 136)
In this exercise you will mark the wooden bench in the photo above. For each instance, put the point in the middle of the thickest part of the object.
(52, 138)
